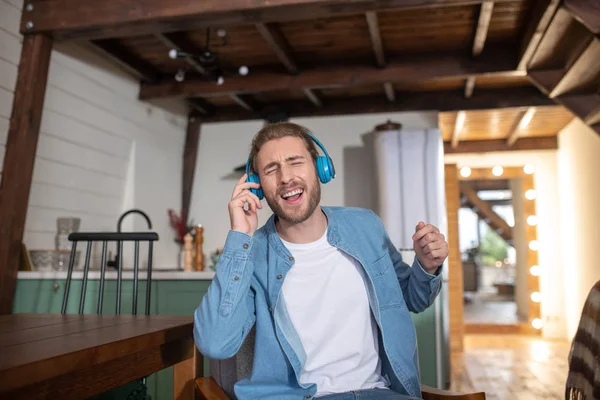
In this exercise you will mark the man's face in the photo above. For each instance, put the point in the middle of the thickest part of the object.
(288, 178)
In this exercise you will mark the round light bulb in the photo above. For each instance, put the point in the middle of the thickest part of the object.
(497, 170)
(220, 80)
(529, 169)
(536, 297)
(243, 70)
(534, 245)
(530, 194)
(173, 54)
(535, 270)
(537, 323)
(465, 172)
(532, 220)
(180, 75)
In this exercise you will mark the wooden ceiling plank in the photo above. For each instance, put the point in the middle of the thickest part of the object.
(583, 74)
(494, 145)
(113, 49)
(390, 93)
(410, 101)
(521, 122)
(587, 12)
(469, 86)
(278, 43)
(241, 102)
(483, 25)
(116, 18)
(459, 124)
(172, 42)
(543, 13)
(375, 33)
(202, 106)
(312, 97)
(417, 69)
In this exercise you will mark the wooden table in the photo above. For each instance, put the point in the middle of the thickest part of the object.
(55, 356)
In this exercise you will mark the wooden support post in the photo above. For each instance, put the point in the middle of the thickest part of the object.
(190, 152)
(19, 159)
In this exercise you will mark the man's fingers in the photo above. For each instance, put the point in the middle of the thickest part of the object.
(432, 246)
(240, 187)
(248, 197)
(423, 231)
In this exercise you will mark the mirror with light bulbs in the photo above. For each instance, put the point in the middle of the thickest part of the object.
(498, 240)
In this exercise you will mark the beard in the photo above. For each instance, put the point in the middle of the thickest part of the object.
(296, 215)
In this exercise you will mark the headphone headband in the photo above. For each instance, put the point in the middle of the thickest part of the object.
(314, 139)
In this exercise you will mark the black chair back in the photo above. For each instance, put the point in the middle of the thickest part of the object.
(105, 237)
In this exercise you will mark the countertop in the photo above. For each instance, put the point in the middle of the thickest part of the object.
(160, 275)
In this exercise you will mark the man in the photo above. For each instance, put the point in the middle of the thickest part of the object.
(326, 290)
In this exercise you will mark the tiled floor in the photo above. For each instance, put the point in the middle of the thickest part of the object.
(490, 308)
(511, 367)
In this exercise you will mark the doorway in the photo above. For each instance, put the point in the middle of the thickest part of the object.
(497, 289)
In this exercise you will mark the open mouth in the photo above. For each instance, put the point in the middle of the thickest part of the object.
(293, 196)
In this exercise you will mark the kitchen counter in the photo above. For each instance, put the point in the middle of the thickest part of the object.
(157, 275)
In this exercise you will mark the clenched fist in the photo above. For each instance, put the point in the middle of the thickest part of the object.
(430, 246)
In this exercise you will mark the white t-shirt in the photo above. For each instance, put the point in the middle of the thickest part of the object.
(327, 301)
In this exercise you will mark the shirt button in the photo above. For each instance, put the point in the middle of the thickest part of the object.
(279, 276)
(245, 245)
(271, 309)
(308, 396)
(291, 258)
(236, 278)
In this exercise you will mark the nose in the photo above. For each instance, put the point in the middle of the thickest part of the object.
(285, 174)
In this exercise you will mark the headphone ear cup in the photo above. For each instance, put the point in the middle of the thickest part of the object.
(324, 169)
(258, 192)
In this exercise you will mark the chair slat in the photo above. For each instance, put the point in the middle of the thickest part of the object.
(69, 275)
(149, 278)
(119, 277)
(136, 258)
(102, 275)
(86, 270)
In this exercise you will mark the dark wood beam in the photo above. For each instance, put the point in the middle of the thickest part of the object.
(278, 43)
(192, 138)
(485, 213)
(117, 18)
(312, 97)
(243, 102)
(174, 41)
(523, 119)
(19, 159)
(587, 12)
(375, 34)
(469, 86)
(585, 106)
(409, 101)
(483, 25)
(458, 127)
(583, 74)
(113, 49)
(202, 106)
(417, 69)
(542, 16)
(494, 145)
(390, 93)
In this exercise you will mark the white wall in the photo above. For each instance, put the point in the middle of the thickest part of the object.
(579, 163)
(520, 245)
(225, 146)
(548, 230)
(92, 133)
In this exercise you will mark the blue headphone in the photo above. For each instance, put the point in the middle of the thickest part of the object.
(325, 169)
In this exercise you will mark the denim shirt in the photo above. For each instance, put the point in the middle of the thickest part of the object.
(246, 290)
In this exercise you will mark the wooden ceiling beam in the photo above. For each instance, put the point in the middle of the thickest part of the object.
(175, 42)
(410, 101)
(375, 34)
(587, 12)
(390, 92)
(417, 69)
(469, 86)
(278, 43)
(245, 103)
(583, 74)
(486, 213)
(312, 97)
(483, 25)
(202, 106)
(114, 50)
(64, 20)
(458, 127)
(521, 123)
(494, 145)
(542, 16)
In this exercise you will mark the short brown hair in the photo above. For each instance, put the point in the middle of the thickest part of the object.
(278, 130)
